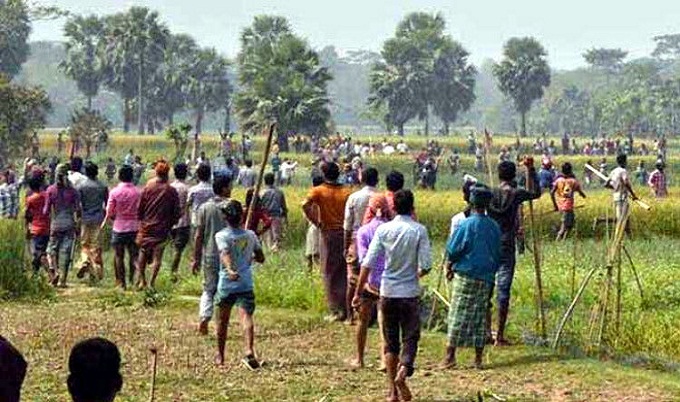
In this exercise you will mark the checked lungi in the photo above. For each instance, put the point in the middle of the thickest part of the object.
(467, 314)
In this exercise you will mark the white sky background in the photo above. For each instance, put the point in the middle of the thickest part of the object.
(565, 27)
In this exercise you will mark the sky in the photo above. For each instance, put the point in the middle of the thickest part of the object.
(566, 28)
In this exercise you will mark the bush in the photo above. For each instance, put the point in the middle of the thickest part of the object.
(15, 281)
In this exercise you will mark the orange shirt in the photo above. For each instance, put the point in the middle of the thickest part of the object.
(331, 199)
(40, 221)
(565, 188)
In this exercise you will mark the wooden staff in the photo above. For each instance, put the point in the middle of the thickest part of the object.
(487, 150)
(260, 177)
(537, 259)
(154, 354)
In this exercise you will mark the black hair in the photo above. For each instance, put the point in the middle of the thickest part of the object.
(203, 172)
(233, 213)
(331, 171)
(622, 160)
(35, 183)
(269, 179)
(76, 164)
(91, 170)
(220, 183)
(249, 163)
(181, 170)
(394, 181)
(403, 202)
(250, 193)
(12, 371)
(507, 171)
(567, 169)
(370, 176)
(94, 366)
(317, 180)
(125, 174)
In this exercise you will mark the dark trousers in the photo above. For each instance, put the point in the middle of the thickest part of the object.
(334, 270)
(401, 328)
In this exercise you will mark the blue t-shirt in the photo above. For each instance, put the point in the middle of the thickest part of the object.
(475, 248)
(240, 245)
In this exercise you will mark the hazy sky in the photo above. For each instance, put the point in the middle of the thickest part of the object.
(565, 27)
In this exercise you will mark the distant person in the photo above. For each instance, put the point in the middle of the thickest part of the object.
(75, 174)
(273, 200)
(209, 221)
(63, 205)
(247, 176)
(641, 174)
(287, 172)
(159, 211)
(138, 169)
(619, 181)
(12, 372)
(260, 222)
(93, 196)
(9, 197)
(313, 235)
(562, 194)
(94, 371)
(37, 224)
(181, 232)
(201, 192)
(123, 209)
(129, 158)
(657, 181)
(110, 170)
(238, 249)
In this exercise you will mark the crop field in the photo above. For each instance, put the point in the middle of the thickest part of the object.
(306, 357)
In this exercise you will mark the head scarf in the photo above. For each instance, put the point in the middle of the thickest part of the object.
(162, 168)
(375, 203)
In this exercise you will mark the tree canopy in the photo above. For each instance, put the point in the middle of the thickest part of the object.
(15, 27)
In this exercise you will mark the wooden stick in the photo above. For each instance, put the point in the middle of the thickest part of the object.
(487, 149)
(570, 310)
(537, 262)
(632, 267)
(267, 149)
(154, 354)
(439, 284)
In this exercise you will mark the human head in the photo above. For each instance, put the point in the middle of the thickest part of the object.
(249, 163)
(203, 172)
(403, 202)
(567, 169)
(317, 180)
(394, 181)
(622, 160)
(507, 171)
(125, 174)
(35, 183)
(467, 187)
(94, 367)
(76, 164)
(331, 171)
(181, 170)
(162, 169)
(379, 208)
(480, 196)
(62, 175)
(12, 371)
(233, 212)
(222, 186)
(91, 170)
(660, 165)
(269, 179)
(370, 176)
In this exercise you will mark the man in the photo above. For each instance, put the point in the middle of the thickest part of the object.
(402, 148)
(9, 197)
(657, 181)
(474, 254)
(354, 213)
(457, 219)
(129, 158)
(287, 171)
(276, 166)
(406, 247)
(273, 201)
(619, 182)
(159, 211)
(93, 197)
(37, 223)
(63, 205)
(330, 199)
(12, 372)
(123, 208)
(247, 176)
(201, 192)
(641, 174)
(74, 175)
(181, 232)
(209, 221)
(394, 181)
(562, 195)
(94, 371)
(546, 176)
(238, 248)
(365, 299)
(503, 209)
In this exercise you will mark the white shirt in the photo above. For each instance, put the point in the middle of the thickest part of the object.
(356, 207)
(402, 147)
(388, 150)
(618, 179)
(76, 178)
(288, 169)
(456, 220)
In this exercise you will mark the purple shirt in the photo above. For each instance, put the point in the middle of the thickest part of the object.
(123, 206)
(364, 236)
(62, 202)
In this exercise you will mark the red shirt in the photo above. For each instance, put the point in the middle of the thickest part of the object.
(35, 208)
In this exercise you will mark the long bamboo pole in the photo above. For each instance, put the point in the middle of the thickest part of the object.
(537, 261)
(260, 177)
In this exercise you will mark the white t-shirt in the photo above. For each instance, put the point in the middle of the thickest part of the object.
(455, 222)
(402, 147)
(287, 170)
(618, 179)
(388, 150)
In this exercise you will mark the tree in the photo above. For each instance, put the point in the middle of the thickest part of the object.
(608, 60)
(208, 87)
(281, 80)
(23, 110)
(667, 46)
(15, 27)
(523, 74)
(180, 137)
(135, 45)
(86, 126)
(453, 83)
(82, 64)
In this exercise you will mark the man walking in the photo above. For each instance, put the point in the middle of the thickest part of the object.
(181, 232)
(93, 196)
(620, 182)
(273, 201)
(406, 247)
(657, 181)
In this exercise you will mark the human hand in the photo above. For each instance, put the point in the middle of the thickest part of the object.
(234, 276)
(194, 267)
(449, 275)
(356, 301)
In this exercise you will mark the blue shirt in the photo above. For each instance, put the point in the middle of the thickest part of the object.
(546, 178)
(475, 248)
(406, 247)
(240, 245)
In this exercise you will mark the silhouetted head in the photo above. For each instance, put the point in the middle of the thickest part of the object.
(94, 367)
(403, 202)
(394, 181)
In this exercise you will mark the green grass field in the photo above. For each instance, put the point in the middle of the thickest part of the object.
(306, 357)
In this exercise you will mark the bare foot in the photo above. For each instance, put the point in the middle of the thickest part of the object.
(203, 327)
(219, 360)
(447, 365)
(400, 382)
(355, 364)
(478, 365)
(501, 342)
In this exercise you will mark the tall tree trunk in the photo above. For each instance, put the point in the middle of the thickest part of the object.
(523, 131)
(199, 120)
(89, 103)
(227, 119)
(171, 118)
(151, 129)
(427, 121)
(140, 98)
(126, 115)
(400, 129)
(446, 128)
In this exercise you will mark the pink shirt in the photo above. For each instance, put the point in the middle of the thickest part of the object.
(122, 208)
